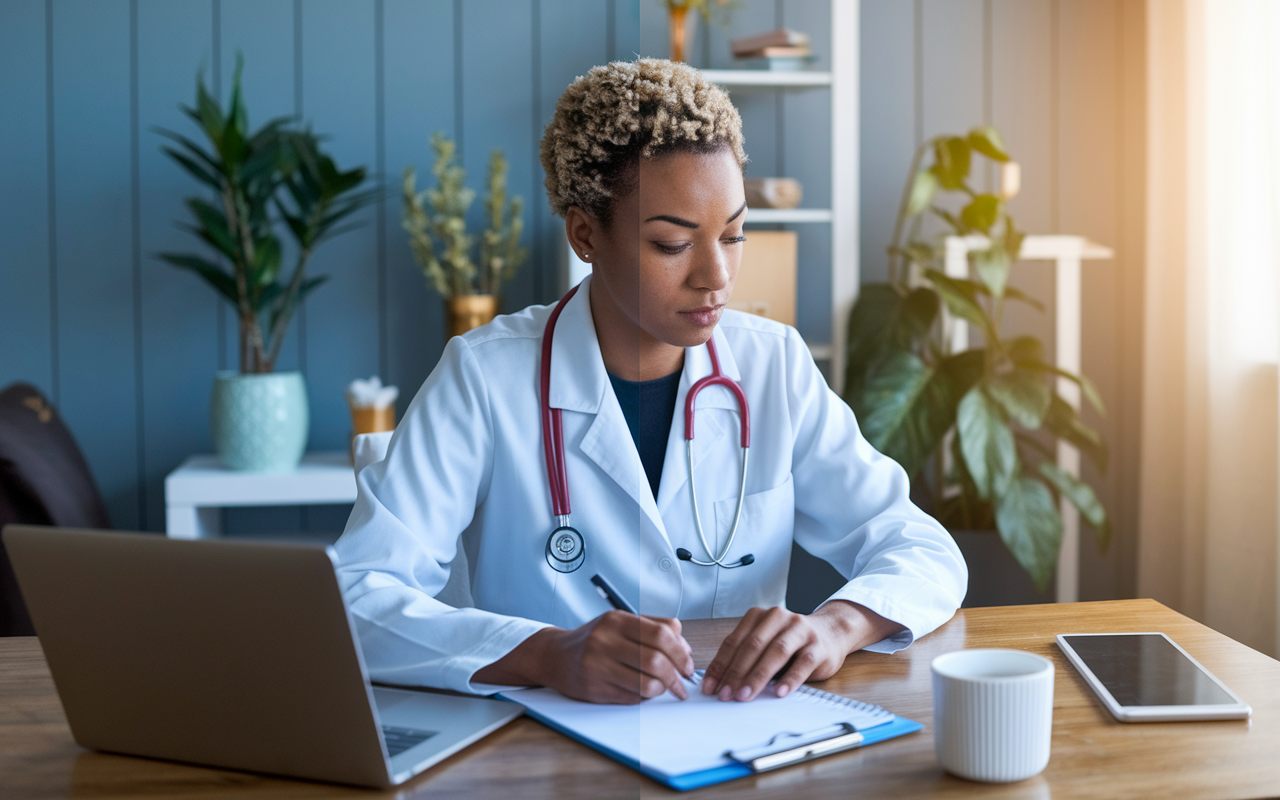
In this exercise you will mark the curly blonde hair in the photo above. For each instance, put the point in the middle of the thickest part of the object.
(616, 114)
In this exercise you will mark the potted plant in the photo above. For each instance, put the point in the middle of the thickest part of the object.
(275, 177)
(976, 431)
(678, 19)
(436, 221)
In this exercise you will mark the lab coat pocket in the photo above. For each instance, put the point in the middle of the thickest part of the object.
(765, 531)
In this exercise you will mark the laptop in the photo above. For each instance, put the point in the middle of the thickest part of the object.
(234, 654)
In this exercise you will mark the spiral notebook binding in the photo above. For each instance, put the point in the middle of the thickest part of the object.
(829, 698)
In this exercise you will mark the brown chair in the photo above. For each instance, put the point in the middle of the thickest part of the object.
(44, 480)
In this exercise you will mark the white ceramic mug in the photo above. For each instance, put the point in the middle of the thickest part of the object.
(992, 713)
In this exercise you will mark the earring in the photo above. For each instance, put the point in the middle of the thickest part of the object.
(586, 256)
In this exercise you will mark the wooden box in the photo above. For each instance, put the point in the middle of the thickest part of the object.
(767, 280)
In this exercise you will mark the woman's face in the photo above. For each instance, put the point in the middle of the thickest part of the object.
(668, 261)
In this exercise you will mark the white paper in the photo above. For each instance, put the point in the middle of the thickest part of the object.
(678, 737)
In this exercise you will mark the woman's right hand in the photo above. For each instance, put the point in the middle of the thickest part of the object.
(615, 658)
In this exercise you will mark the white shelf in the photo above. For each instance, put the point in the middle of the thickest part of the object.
(774, 216)
(761, 78)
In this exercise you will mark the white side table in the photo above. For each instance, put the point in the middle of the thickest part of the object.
(196, 492)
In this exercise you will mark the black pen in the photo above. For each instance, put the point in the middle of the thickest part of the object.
(609, 593)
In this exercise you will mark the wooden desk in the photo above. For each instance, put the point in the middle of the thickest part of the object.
(1093, 756)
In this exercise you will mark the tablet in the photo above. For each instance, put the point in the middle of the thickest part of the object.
(1146, 677)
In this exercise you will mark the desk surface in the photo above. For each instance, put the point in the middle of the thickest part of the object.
(1093, 756)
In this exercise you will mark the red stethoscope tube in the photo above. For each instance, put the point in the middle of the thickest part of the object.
(560, 554)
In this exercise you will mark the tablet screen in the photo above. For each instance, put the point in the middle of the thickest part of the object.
(1146, 670)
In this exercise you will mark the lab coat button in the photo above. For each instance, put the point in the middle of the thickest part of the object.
(664, 564)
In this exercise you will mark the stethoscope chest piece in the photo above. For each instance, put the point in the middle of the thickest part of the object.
(566, 549)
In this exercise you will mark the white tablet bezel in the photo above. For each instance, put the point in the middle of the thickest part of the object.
(1238, 710)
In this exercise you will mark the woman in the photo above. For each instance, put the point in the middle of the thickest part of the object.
(644, 161)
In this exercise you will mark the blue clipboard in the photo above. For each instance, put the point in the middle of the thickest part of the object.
(899, 726)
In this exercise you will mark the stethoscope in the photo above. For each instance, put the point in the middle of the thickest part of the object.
(566, 549)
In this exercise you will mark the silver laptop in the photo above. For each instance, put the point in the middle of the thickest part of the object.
(229, 654)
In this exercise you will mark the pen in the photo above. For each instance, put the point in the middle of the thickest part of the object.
(609, 593)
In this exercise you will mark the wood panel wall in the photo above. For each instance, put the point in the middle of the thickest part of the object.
(1063, 81)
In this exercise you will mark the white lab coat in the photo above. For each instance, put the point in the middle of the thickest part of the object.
(465, 468)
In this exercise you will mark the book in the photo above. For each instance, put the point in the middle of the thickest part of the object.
(700, 741)
(775, 52)
(780, 63)
(782, 37)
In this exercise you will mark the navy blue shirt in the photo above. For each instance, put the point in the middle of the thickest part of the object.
(648, 407)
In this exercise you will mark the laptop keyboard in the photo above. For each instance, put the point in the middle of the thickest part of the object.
(400, 739)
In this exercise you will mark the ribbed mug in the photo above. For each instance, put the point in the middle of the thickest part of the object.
(992, 713)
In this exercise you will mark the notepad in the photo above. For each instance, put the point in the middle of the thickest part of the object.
(684, 744)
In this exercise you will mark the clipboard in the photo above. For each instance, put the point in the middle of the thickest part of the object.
(647, 737)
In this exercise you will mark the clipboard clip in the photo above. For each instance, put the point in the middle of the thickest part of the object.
(788, 748)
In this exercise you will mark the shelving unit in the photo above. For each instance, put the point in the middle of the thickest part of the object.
(775, 216)
(842, 216)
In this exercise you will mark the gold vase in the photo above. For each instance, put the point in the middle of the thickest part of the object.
(677, 15)
(370, 420)
(468, 311)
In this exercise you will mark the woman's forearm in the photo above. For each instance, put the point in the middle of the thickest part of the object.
(525, 665)
(856, 625)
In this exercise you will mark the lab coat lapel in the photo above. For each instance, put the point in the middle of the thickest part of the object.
(709, 432)
(579, 382)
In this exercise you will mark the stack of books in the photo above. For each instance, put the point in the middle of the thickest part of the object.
(781, 50)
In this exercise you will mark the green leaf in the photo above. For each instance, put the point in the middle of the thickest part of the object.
(222, 282)
(987, 140)
(197, 171)
(1030, 527)
(961, 300)
(1013, 239)
(1086, 386)
(213, 225)
(986, 441)
(882, 318)
(209, 115)
(951, 162)
(1062, 421)
(1023, 349)
(992, 266)
(981, 213)
(1082, 496)
(266, 260)
(1023, 395)
(922, 191)
(1017, 294)
(890, 402)
(911, 406)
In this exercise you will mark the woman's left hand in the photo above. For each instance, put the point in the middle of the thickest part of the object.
(766, 639)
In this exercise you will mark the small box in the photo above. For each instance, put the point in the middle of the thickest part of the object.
(767, 279)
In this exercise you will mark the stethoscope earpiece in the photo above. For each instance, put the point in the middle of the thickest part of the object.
(685, 555)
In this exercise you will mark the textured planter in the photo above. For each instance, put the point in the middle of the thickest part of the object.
(259, 422)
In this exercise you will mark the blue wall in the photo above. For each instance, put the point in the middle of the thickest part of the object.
(127, 346)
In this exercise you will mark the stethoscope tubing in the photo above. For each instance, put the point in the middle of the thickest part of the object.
(557, 473)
